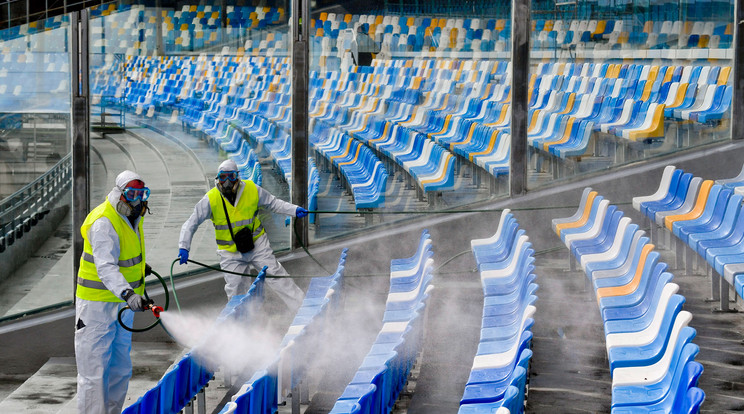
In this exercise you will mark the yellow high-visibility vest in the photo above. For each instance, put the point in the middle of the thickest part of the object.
(242, 215)
(131, 257)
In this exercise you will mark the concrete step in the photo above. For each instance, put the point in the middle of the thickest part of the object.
(53, 388)
(47, 391)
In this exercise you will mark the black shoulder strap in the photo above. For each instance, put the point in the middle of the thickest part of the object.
(229, 225)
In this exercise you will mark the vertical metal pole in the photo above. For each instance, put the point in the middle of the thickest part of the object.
(159, 29)
(201, 401)
(723, 285)
(223, 14)
(80, 131)
(84, 69)
(520, 82)
(300, 72)
(296, 399)
(737, 123)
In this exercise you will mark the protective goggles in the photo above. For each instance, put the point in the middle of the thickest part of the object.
(227, 176)
(134, 194)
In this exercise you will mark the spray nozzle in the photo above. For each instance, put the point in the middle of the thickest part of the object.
(156, 310)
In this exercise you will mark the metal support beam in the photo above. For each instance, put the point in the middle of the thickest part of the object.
(723, 294)
(295, 409)
(80, 131)
(201, 401)
(737, 123)
(158, 29)
(300, 73)
(520, 82)
(223, 13)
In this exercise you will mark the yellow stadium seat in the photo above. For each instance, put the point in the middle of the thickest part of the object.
(724, 75)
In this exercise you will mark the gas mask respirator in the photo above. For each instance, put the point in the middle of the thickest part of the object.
(228, 183)
(132, 209)
(133, 202)
(228, 188)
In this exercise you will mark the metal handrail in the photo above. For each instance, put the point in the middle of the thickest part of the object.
(23, 209)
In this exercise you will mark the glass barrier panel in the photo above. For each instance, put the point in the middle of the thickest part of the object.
(409, 110)
(177, 90)
(409, 104)
(35, 165)
(616, 83)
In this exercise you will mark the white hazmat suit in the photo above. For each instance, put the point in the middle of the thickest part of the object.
(102, 345)
(261, 255)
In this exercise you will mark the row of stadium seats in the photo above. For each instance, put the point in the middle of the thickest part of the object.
(384, 371)
(272, 385)
(449, 36)
(500, 368)
(363, 173)
(35, 82)
(202, 114)
(475, 28)
(189, 375)
(705, 216)
(632, 103)
(402, 124)
(443, 108)
(376, 384)
(647, 336)
(131, 30)
(653, 9)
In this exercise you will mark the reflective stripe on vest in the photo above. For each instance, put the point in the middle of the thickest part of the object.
(131, 257)
(122, 263)
(99, 285)
(242, 215)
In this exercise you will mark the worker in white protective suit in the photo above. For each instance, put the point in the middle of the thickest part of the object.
(232, 205)
(111, 276)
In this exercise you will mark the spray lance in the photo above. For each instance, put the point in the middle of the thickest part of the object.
(156, 310)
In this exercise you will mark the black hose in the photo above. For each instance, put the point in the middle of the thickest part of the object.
(157, 320)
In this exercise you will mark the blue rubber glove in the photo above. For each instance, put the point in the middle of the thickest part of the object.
(183, 254)
(301, 212)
